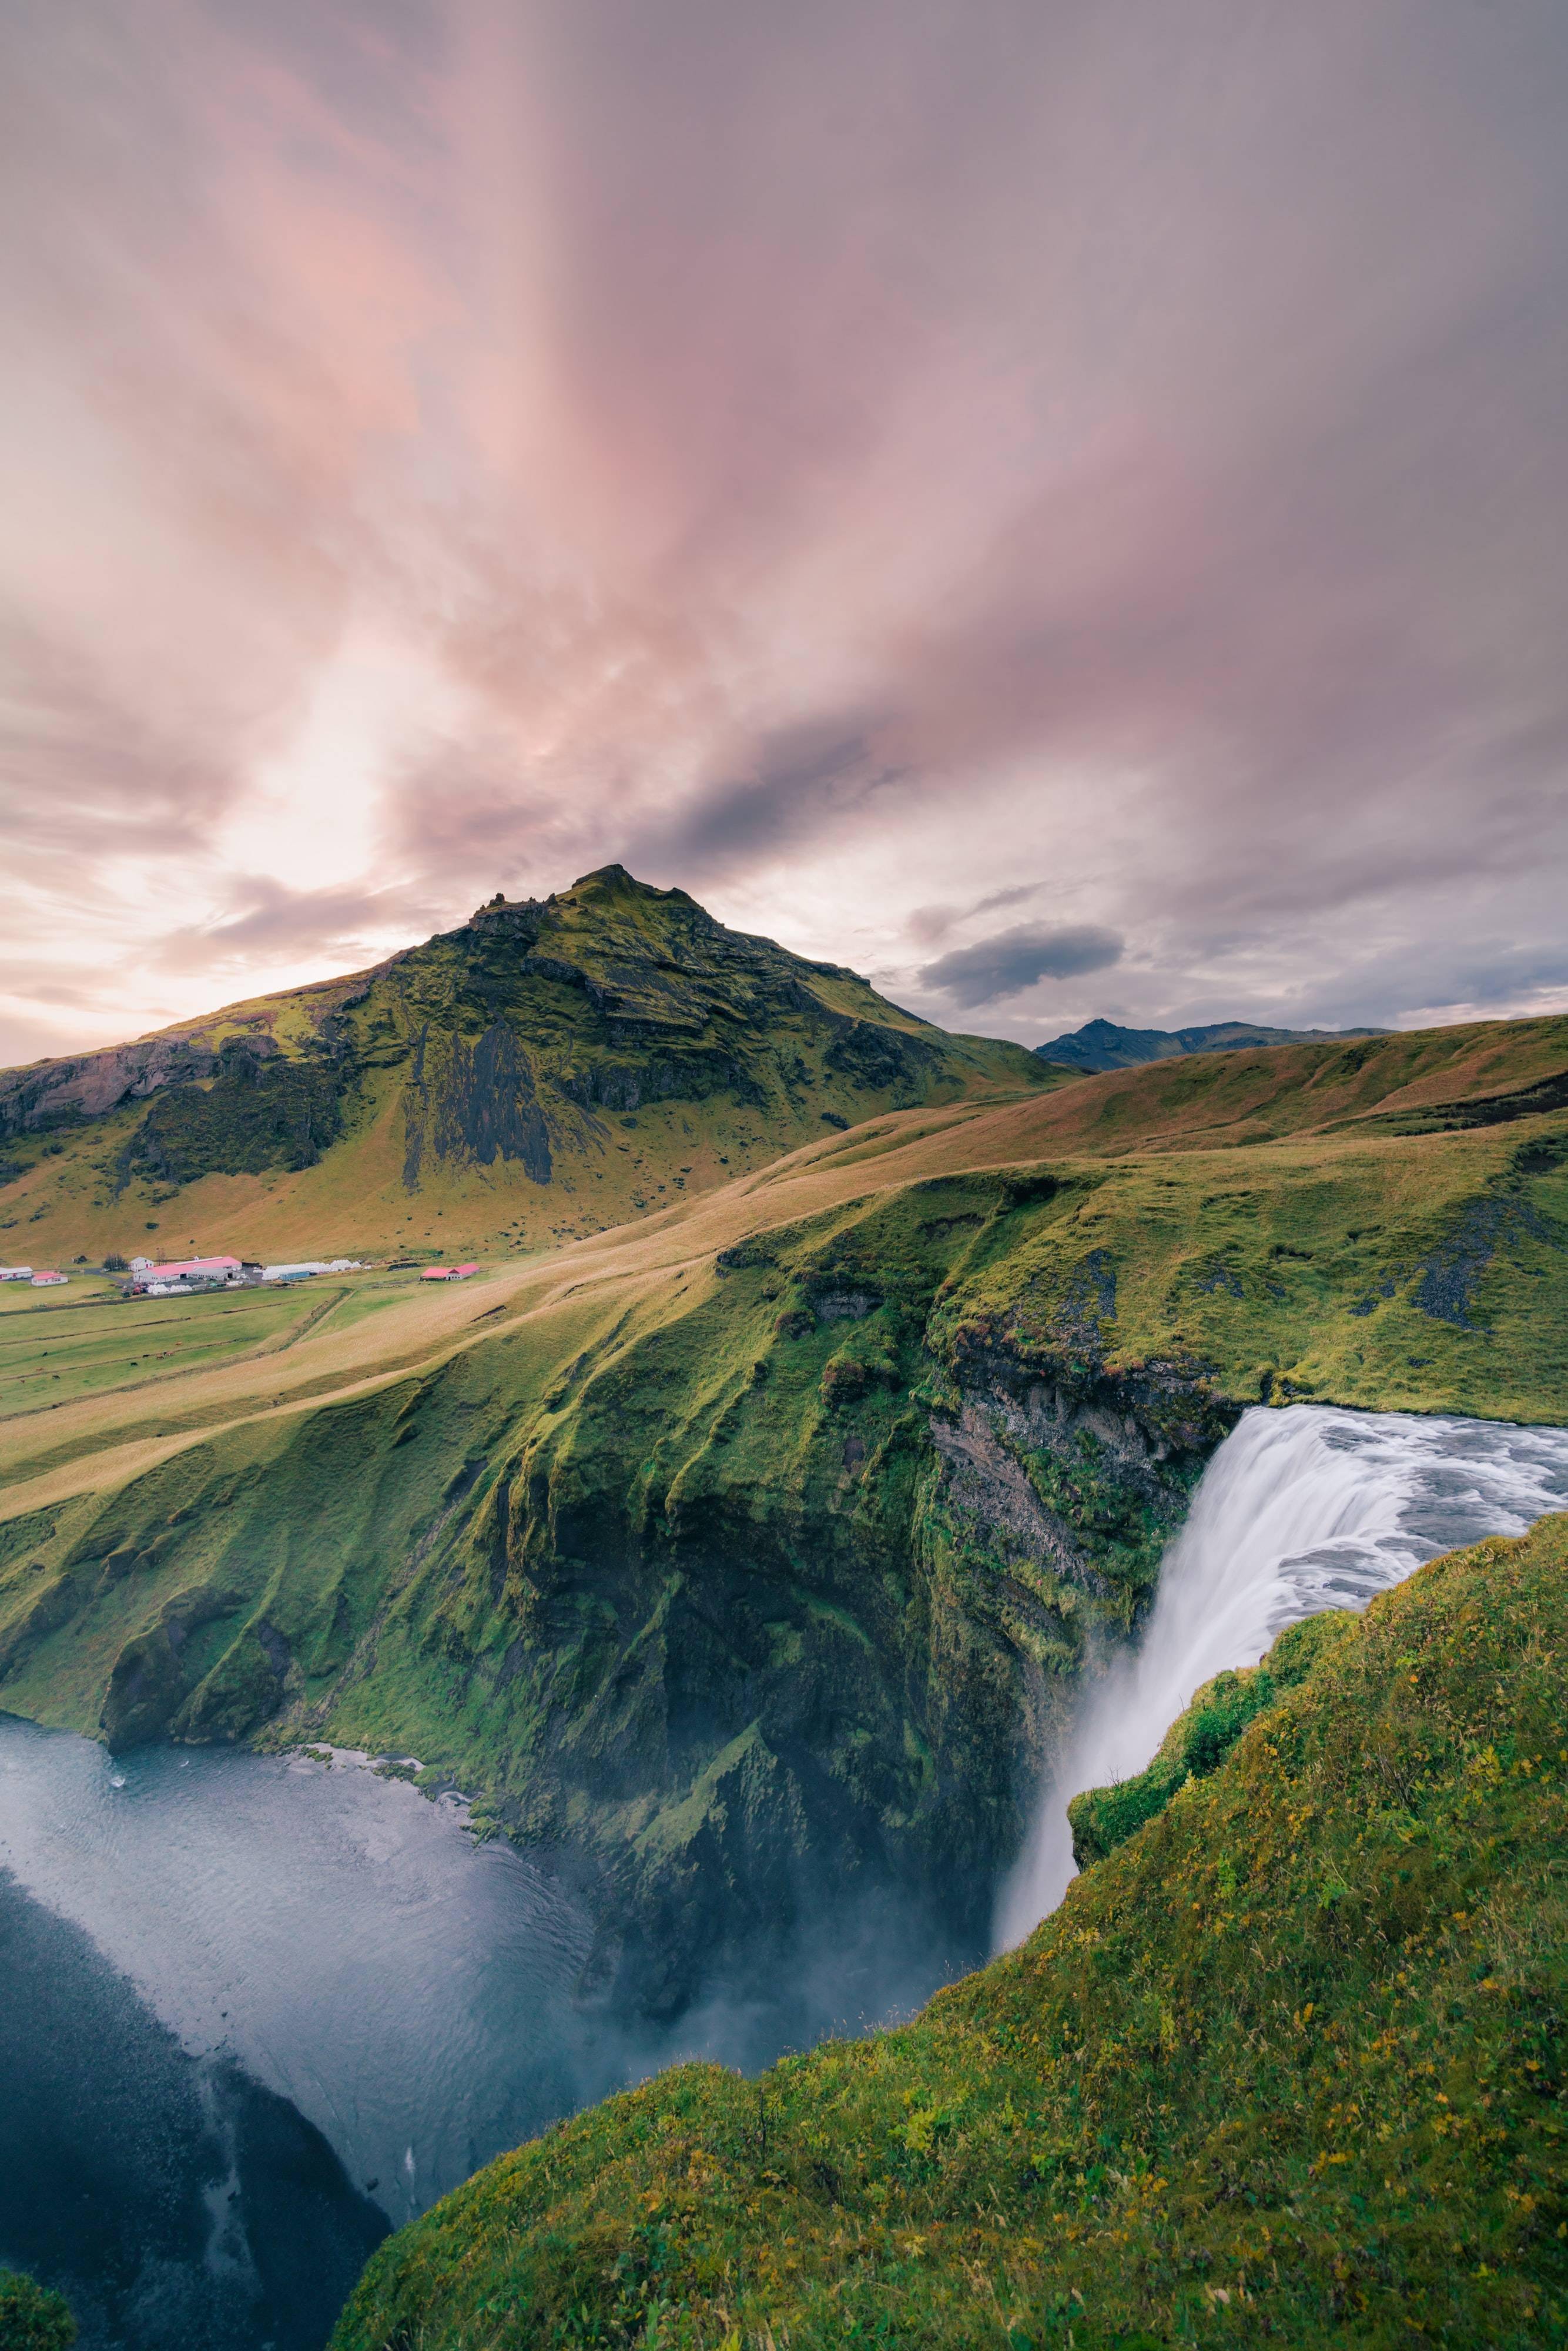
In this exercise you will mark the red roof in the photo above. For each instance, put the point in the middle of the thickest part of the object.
(193, 1265)
(448, 1272)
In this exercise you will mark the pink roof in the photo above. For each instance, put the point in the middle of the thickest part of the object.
(194, 1265)
(436, 1273)
(466, 1269)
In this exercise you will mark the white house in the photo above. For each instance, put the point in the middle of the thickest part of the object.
(15, 1273)
(302, 1271)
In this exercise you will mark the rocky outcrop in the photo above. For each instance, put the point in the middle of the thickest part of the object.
(51, 1094)
(259, 1112)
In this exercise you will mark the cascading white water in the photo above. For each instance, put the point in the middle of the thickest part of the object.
(1301, 1510)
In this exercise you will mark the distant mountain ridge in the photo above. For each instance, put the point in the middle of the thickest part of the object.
(1102, 1045)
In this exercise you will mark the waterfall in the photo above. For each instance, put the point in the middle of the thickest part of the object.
(1299, 1510)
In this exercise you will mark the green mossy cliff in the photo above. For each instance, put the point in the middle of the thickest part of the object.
(744, 1585)
(741, 1594)
(1288, 2067)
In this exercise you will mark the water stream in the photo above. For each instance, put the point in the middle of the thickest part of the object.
(1301, 1510)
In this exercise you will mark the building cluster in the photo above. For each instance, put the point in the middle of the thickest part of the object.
(148, 1279)
(151, 1280)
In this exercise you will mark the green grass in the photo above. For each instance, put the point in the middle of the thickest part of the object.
(1423, 1274)
(1287, 2067)
(1201, 1738)
(63, 1349)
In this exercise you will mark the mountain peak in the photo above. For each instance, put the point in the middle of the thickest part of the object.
(483, 1078)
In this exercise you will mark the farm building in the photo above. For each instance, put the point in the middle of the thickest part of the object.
(15, 1273)
(46, 1278)
(303, 1271)
(189, 1270)
(447, 1272)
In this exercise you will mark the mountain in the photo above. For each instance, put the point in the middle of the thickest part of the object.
(1102, 1045)
(1286, 2068)
(550, 1068)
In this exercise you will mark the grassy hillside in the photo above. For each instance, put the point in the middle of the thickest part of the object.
(62, 1349)
(1287, 2067)
(1419, 1161)
(747, 1555)
(546, 1070)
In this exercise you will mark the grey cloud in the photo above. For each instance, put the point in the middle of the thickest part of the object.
(1013, 897)
(926, 925)
(460, 812)
(268, 920)
(803, 781)
(39, 984)
(86, 773)
(1013, 960)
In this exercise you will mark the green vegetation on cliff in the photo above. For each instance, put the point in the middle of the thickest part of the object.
(747, 1558)
(1201, 1738)
(1288, 2066)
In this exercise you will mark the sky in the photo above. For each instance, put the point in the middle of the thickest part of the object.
(1062, 507)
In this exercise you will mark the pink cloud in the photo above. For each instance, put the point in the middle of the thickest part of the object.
(836, 460)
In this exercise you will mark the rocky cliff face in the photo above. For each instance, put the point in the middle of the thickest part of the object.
(50, 1096)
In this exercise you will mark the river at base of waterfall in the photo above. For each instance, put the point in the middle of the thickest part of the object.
(256, 2007)
(1301, 1510)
